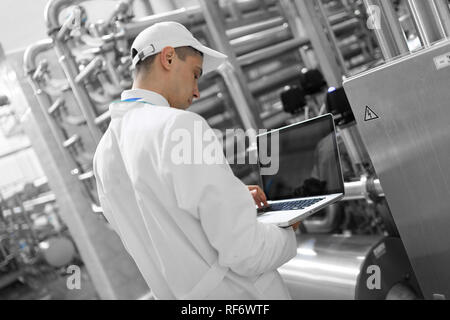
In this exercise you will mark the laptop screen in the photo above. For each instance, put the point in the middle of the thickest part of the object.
(308, 162)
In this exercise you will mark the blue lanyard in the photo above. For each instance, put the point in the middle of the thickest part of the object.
(131, 100)
(135, 100)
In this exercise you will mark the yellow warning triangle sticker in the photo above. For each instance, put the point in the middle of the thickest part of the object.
(370, 115)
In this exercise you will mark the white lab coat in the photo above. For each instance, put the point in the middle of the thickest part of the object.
(191, 229)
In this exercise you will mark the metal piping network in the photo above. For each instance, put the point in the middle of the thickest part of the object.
(228, 74)
(67, 61)
(59, 5)
(44, 100)
(98, 62)
(254, 28)
(47, 106)
(243, 39)
(232, 71)
(86, 98)
(271, 52)
(191, 15)
(252, 42)
(260, 39)
(332, 37)
(54, 7)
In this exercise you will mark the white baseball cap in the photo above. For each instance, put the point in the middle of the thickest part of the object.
(164, 34)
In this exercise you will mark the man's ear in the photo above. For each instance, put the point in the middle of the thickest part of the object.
(167, 57)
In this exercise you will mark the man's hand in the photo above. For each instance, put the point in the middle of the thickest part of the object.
(295, 226)
(261, 201)
(259, 196)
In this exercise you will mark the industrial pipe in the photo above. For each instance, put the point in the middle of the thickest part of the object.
(104, 117)
(271, 51)
(71, 71)
(260, 39)
(191, 15)
(92, 67)
(44, 100)
(363, 189)
(332, 36)
(348, 25)
(338, 17)
(209, 106)
(231, 71)
(275, 79)
(56, 105)
(254, 28)
(227, 72)
(69, 65)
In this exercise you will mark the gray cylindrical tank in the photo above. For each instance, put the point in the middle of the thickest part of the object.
(346, 268)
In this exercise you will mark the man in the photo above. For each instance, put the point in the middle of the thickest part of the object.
(191, 228)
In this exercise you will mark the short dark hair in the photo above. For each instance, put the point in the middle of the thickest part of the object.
(182, 53)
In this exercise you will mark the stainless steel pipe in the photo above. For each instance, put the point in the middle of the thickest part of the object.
(85, 104)
(44, 100)
(239, 97)
(342, 27)
(92, 67)
(54, 7)
(261, 39)
(255, 27)
(271, 51)
(362, 189)
(275, 79)
(190, 15)
(231, 71)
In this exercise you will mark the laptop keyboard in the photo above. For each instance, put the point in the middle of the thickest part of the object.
(291, 205)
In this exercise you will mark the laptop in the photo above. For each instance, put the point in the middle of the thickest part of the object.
(309, 175)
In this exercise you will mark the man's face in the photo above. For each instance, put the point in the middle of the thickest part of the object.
(185, 81)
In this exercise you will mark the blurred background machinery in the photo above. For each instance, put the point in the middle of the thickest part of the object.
(35, 246)
(287, 62)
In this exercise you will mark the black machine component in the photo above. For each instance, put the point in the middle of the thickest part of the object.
(337, 104)
(293, 99)
(312, 81)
